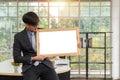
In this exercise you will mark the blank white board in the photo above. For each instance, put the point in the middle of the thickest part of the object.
(58, 42)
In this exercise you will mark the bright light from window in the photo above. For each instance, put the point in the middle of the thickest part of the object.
(55, 7)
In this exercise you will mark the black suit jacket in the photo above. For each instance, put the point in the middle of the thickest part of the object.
(23, 51)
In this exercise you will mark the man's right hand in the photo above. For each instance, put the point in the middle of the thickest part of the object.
(38, 58)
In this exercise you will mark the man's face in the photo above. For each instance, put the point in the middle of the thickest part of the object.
(31, 28)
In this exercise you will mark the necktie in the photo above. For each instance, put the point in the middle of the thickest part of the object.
(36, 63)
(33, 41)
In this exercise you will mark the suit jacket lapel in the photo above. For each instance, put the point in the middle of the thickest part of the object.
(26, 38)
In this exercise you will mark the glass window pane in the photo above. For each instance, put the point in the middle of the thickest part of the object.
(33, 4)
(94, 11)
(74, 22)
(43, 3)
(63, 22)
(98, 41)
(105, 11)
(21, 25)
(55, 4)
(74, 58)
(12, 3)
(108, 55)
(22, 10)
(82, 70)
(53, 23)
(4, 56)
(95, 4)
(64, 12)
(23, 3)
(3, 19)
(84, 11)
(12, 11)
(74, 66)
(74, 11)
(84, 4)
(105, 4)
(105, 24)
(83, 57)
(3, 11)
(96, 55)
(96, 67)
(53, 11)
(43, 11)
(5, 33)
(3, 3)
(34, 9)
(83, 26)
(96, 70)
(14, 23)
(74, 3)
(95, 24)
(43, 23)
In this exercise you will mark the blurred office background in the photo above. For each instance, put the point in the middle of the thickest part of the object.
(98, 21)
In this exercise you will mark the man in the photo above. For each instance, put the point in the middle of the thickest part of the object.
(24, 51)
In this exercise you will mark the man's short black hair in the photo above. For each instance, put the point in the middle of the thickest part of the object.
(30, 18)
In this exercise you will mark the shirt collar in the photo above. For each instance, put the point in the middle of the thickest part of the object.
(28, 31)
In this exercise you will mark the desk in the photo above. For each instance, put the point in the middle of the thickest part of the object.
(7, 71)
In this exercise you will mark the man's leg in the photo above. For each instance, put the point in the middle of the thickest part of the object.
(30, 74)
(48, 74)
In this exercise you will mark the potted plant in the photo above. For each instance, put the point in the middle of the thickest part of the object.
(15, 65)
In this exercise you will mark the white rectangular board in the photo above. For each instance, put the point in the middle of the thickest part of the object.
(58, 42)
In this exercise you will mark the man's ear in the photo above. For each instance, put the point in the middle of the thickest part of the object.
(26, 25)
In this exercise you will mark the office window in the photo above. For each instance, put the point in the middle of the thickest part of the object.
(88, 15)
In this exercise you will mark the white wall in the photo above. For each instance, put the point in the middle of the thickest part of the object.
(116, 39)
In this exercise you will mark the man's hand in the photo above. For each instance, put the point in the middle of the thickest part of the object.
(38, 58)
(79, 45)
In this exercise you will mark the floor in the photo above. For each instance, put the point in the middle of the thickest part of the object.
(91, 79)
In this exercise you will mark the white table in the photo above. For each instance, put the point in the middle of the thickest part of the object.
(6, 68)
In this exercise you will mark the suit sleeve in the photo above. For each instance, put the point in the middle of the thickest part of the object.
(17, 49)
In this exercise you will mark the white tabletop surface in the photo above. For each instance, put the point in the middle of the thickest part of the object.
(6, 68)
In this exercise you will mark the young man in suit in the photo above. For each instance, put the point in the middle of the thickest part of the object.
(24, 51)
